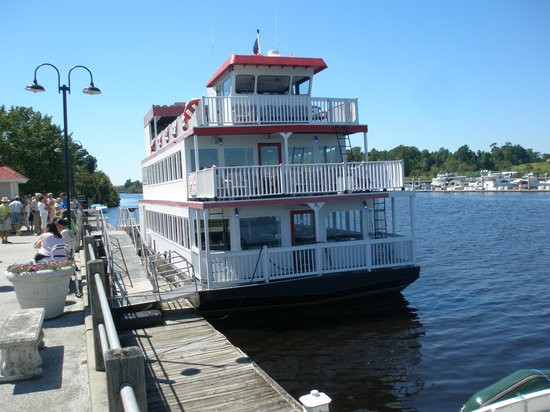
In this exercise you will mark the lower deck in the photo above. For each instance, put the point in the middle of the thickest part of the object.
(262, 243)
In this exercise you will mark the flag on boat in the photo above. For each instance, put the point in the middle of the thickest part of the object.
(256, 47)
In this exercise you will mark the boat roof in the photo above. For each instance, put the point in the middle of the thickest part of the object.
(267, 61)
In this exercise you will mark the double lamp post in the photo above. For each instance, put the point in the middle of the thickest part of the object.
(91, 89)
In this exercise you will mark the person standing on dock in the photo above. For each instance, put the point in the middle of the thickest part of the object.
(5, 220)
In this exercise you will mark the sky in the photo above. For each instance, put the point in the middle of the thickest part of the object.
(429, 74)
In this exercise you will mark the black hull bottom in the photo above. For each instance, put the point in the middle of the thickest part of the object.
(304, 291)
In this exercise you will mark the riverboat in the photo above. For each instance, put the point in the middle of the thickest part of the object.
(252, 184)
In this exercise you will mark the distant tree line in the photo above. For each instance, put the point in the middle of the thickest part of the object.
(423, 163)
(33, 146)
(130, 187)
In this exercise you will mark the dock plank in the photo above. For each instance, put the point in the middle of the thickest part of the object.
(190, 366)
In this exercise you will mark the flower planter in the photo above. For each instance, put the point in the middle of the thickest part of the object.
(42, 289)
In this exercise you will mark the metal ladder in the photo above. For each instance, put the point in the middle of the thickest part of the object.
(379, 217)
(344, 144)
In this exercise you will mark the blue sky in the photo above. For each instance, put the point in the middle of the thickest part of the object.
(427, 73)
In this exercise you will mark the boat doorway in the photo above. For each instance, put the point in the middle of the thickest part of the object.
(302, 233)
(269, 154)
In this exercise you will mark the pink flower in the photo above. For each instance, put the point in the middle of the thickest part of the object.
(35, 267)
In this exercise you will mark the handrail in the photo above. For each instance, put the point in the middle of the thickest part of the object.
(112, 335)
(128, 397)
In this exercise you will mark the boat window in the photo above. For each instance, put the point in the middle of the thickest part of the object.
(238, 156)
(344, 225)
(330, 154)
(301, 155)
(273, 84)
(260, 231)
(226, 87)
(207, 158)
(300, 85)
(244, 84)
(218, 233)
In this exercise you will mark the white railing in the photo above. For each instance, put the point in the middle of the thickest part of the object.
(257, 181)
(265, 265)
(269, 109)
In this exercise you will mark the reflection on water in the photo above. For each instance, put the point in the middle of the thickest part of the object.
(358, 353)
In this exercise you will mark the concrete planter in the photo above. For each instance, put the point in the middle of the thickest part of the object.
(43, 289)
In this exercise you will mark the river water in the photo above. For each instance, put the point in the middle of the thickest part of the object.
(479, 311)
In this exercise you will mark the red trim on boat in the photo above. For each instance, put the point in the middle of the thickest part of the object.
(294, 128)
(265, 202)
(316, 63)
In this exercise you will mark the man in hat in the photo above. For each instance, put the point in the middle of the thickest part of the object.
(68, 234)
(5, 220)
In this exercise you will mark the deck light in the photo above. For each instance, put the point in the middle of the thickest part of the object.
(315, 139)
(236, 213)
(365, 204)
(220, 141)
(91, 89)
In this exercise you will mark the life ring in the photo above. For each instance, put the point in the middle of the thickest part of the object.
(189, 110)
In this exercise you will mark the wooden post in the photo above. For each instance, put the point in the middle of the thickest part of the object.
(125, 365)
(93, 267)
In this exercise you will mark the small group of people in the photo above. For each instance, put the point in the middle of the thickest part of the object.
(33, 212)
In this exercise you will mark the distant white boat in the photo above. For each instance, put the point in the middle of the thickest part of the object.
(99, 206)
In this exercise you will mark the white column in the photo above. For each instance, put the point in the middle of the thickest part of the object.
(285, 137)
(206, 217)
(196, 148)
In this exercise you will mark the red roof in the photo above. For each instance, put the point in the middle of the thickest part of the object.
(7, 173)
(316, 63)
(170, 111)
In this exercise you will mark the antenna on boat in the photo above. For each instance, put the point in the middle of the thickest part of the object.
(211, 34)
(276, 28)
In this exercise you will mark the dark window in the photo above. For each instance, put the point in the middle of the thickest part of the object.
(244, 84)
(300, 85)
(259, 231)
(273, 84)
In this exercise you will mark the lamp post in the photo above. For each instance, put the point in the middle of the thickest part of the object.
(91, 89)
(79, 150)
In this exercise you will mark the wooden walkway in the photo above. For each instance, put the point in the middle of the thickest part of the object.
(189, 365)
(192, 367)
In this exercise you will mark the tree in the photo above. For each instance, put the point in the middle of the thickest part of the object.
(28, 143)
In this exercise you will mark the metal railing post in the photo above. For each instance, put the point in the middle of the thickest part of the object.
(125, 366)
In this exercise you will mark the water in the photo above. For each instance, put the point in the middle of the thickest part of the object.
(126, 200)
(479, 311)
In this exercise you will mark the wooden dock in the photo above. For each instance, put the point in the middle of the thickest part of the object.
(191, 366)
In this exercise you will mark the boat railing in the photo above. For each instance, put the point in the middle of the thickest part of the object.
(268, 264)
(270, 109)
(305, 179)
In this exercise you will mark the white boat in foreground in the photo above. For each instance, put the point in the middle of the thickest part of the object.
(251, 184)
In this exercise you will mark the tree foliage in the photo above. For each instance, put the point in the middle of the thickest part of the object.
(28, 143)
(131, 187)
(425, 163)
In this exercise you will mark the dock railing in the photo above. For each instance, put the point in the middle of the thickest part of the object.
(123, 366)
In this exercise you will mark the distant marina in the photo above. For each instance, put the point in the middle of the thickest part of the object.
(487, 181)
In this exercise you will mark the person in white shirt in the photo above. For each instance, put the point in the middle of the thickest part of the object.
(42, 208)
(47, 242)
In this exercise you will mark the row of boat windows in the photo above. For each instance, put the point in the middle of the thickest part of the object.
(267, 84)
(165, 170)
(256, 232)
(244, 156)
